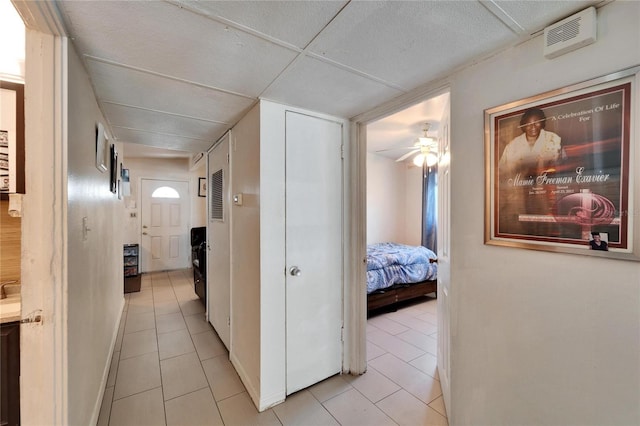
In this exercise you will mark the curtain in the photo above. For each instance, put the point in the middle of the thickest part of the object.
(429, 207)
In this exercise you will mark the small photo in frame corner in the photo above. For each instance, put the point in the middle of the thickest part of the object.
(202, 187)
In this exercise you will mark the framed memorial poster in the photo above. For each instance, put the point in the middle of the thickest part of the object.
(560, 169)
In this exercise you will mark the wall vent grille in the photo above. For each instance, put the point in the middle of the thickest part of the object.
(216, 204)
(571, 33)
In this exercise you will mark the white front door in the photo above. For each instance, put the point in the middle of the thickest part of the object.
(314, 257)
(218, 241)
(165, 221)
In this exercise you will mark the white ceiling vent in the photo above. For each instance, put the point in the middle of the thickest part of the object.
(571, 33)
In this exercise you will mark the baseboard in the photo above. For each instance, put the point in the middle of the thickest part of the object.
(261, 403)
(105, 372)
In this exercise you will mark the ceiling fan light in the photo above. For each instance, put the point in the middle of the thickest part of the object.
(426, 140)
(431, 159)
(418, 160)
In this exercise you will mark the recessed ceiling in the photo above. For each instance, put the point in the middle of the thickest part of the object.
(177, 74)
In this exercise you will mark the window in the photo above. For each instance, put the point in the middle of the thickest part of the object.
(165, 192)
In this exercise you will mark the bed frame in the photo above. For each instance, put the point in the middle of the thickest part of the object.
(399, 293)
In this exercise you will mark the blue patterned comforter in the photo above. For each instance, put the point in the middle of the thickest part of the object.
(391, 263)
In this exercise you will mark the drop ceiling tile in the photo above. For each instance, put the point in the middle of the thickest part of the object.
(294, 22)
(170, 40)
(152, 121)
(535, 15)
(130, 87)
(159, 140)
(409, 43)
(321, 87)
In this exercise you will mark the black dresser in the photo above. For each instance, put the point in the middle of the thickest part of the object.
(199, 260)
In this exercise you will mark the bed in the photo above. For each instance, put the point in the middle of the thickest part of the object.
(399, 272)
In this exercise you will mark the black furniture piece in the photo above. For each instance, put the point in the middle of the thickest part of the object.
(10, 373)
(132, 276)
(199, 260)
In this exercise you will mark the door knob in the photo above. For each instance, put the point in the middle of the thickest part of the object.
(144, 226)
(295, 271)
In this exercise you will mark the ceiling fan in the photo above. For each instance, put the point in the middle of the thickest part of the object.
(425, 147)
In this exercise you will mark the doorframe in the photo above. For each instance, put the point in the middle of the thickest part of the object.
(43, 348)
(357, 304)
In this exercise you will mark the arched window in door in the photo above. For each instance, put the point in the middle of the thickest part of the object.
(165, 192)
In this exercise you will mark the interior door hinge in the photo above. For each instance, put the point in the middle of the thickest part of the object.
(229, 321)
(227, 158)
(342, 151)
(342, 334)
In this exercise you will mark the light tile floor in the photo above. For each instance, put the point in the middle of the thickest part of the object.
(170, 368)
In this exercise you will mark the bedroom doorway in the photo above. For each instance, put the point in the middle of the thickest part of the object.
(407, 203)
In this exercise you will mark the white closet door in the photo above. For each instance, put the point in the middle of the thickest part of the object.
(314, 254)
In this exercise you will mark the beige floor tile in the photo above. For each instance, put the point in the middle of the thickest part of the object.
(167, 307)
(419, 384)
(137, 374)
(163, 294)
(420, 340)
(208, 344)
(113, 370)
(138, 343)
(438, 405)
(330, 387)
(407, 410)
(193, 409)
(374, 351)
(239, 410)
(197, 323)
(191, 306)
(140, 306)
(352, 408)
(140, 296)
(175, 343)
(143, 409)
(395, 345)
(427, 363)
(412, 322)
(105, 408)
(222, 377)
(139, 322)
(388, 325)
(170, 322)
(429, 317)
(302, 409)
(373, 385)
(181, 375)
(120, 334)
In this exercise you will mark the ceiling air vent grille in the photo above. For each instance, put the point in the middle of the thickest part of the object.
(216, 203)
(572, 33)
(564, 32)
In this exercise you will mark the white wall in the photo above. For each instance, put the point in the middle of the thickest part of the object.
(94, 300)
(246, 337)
(394, 201)
(538, 338)
(161, 168)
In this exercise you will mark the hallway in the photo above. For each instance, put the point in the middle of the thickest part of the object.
(170, 368)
